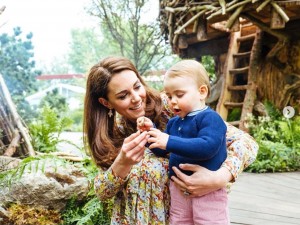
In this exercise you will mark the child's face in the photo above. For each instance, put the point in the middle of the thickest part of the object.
(184, 94)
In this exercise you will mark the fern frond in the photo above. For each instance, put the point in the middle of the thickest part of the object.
(31, 165)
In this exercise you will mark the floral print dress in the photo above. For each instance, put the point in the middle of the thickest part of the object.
(142, 198)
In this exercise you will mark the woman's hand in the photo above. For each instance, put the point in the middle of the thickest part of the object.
(202, 181)
(132, 152)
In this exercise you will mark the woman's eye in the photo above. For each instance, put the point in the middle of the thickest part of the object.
(122, 97)
(137, 87)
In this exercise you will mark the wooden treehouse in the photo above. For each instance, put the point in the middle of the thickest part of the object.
(255, 45)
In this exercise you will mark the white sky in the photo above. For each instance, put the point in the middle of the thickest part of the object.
(50, 21)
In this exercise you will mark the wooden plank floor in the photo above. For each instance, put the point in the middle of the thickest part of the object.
(265, 199)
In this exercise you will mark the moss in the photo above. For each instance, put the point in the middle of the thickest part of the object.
(26, 215)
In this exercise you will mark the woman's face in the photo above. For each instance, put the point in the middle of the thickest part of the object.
(127, 95)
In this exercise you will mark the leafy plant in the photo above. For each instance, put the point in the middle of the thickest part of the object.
(279, 142)
(18, 68)
(91, 210)
(275, 157)
(31, 165)
(209, 64)
(46, 130)
(54, 101)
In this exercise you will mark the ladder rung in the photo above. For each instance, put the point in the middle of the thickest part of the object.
(238, 87)
(247, 24)
(246, 38)
(233, 104)
(234, 123)
(239, 70)
(242, 55)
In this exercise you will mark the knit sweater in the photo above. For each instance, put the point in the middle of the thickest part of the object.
(198, 138)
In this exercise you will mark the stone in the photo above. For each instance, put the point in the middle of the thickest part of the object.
(50, 189)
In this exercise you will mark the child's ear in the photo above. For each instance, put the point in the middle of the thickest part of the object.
(104, 102)
(203, 90)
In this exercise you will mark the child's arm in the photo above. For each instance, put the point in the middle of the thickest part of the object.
(144, 124)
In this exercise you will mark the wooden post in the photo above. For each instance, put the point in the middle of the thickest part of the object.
(229, 64)
(16, 116)
(182, 42)
(13, 144)
(277, 21)
(201, 30)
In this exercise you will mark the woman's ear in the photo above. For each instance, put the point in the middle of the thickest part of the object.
(203, 90)
(104, 102)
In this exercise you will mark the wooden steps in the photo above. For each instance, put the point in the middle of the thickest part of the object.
(249, 37)
(233, 104)
(239, 70)
(238, 88)
(242, 55)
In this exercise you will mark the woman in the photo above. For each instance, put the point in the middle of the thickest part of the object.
(116, 96)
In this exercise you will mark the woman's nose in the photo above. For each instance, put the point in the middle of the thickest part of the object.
(135, 97)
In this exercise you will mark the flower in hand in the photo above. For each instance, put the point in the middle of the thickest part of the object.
(144, 124)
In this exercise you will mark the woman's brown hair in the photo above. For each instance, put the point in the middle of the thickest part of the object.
(103, 134)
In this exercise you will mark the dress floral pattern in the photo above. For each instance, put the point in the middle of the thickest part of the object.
(142, 198)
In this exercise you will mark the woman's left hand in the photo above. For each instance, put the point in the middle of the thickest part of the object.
(202, 181)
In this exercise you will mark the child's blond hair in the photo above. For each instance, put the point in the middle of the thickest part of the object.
(190, 68)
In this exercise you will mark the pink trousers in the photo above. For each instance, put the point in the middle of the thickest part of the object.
(210, 209)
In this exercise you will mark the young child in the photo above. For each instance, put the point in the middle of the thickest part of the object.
(196, 135)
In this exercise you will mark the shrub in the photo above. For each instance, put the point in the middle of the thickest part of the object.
(279, 143)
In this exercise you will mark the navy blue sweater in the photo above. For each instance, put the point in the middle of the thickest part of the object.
(199, 138)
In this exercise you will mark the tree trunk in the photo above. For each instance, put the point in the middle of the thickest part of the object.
(278, 78)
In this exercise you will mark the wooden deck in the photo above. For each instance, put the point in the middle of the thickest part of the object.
(266, 199)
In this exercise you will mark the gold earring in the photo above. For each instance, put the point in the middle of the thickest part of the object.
(110, 113)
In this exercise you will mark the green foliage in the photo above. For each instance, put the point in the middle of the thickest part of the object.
(124, 28)
(77, 117)
(272, 111)
(87, 48)
(30, 165)
(20, 214)
(54, 101)
(275, 157)
(279, 143)
(18, 68)
(234, 115)
(209, 64)
(46, 130)
(17, 64)
(89, 211)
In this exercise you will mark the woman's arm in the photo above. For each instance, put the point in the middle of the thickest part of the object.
(108, 183)
(242, 150)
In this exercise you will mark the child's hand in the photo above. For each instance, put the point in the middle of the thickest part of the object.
(158, 139)
(144, 124)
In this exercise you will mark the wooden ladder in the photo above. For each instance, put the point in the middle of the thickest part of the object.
(239, 89)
